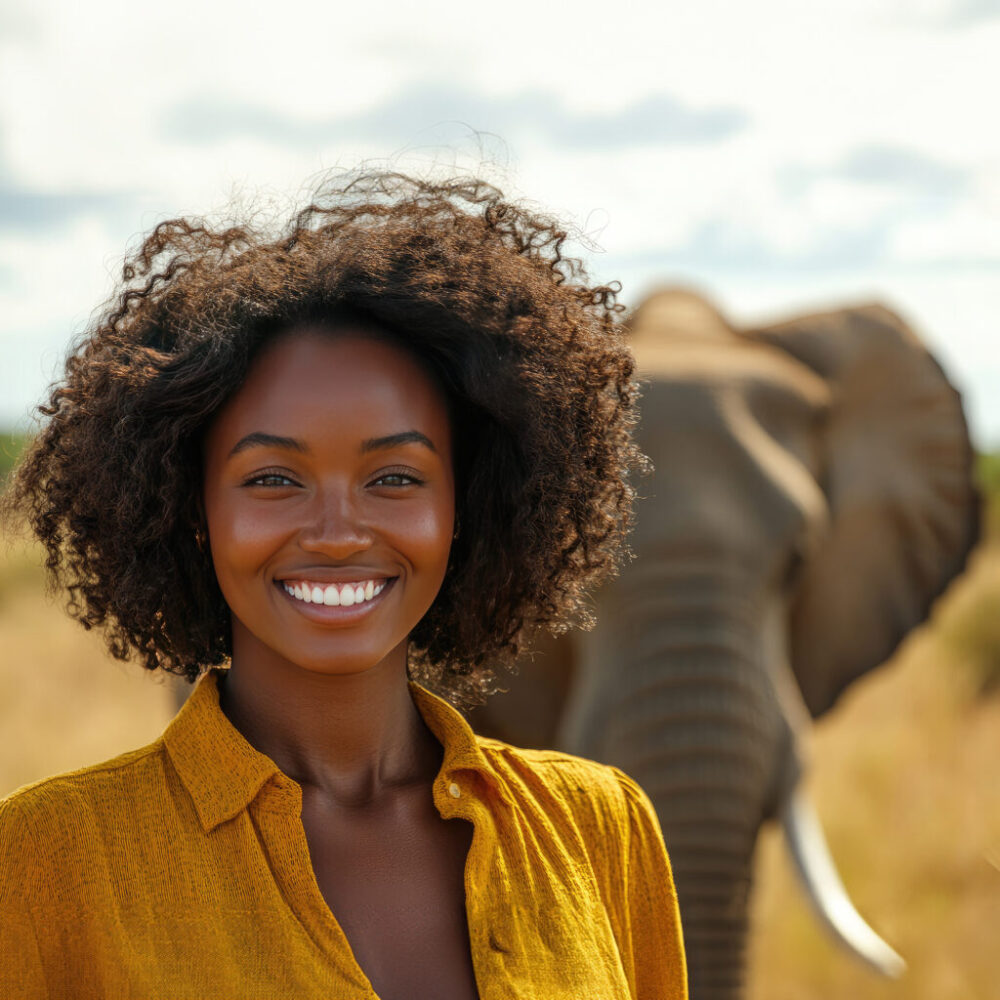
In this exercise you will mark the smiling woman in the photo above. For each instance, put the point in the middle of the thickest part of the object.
(320, 472)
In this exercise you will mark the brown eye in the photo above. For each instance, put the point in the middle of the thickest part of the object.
(270, 479)
(397, 479)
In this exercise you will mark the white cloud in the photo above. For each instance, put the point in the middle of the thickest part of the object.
(84, 89)
(966, 236)
(65, 278)
(938, 14)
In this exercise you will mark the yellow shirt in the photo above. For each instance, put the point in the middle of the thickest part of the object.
(181, 870)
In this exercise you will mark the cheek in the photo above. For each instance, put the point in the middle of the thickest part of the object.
(241, 540)
(425, 537)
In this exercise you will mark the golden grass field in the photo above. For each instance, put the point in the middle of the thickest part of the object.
(905, 777)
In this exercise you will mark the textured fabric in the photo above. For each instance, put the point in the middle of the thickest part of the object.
(182, 870)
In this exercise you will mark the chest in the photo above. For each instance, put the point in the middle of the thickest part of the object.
(394, 878)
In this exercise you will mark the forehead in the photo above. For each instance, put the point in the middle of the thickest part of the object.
(338, 382)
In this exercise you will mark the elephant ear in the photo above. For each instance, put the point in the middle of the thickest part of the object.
(898, 476)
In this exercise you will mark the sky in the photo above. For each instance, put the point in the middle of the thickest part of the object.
(781, 156)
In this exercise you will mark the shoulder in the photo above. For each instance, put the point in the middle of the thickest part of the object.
(553, 765)
(73, 801)
(602, 801)
(62, 835)
(604, 819)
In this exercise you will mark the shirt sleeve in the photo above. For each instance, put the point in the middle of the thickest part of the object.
(21, 971)
(651, 910)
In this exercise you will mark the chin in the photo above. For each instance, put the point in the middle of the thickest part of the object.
(347, 663)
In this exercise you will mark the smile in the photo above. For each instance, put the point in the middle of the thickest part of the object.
(334, 594)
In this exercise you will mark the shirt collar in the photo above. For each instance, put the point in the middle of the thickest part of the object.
(223, 773)
(461, 745)
(219, 768)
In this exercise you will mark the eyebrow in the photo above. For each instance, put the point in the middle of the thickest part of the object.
(391, 440)
(261, 439)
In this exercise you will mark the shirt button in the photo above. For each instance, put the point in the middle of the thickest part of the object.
(454, 791)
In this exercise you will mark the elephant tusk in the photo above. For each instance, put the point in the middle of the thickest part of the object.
(826, 892)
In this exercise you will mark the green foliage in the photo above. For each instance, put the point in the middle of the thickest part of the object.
(11, 446)
(20, 560)
(988, 476)
(969, 623)
(989, 471)
(970, 629)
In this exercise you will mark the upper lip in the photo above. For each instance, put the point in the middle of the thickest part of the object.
(335, 574)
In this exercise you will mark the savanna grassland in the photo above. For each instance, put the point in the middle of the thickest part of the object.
(904, 774)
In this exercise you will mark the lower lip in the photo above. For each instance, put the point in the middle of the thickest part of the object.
(329, 614)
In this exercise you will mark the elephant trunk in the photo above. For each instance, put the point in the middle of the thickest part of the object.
(690, 712)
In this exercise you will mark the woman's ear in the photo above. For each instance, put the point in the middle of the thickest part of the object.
(899, 483)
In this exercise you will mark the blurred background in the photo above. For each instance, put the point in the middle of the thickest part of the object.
(782, 156)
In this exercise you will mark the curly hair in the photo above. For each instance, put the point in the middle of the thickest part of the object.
(531, 356)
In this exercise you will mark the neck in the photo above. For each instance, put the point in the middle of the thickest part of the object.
(355, 737)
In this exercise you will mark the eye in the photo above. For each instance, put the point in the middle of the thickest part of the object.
(270, 478)
(397, 479)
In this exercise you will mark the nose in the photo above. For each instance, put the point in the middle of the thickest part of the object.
(335, 528)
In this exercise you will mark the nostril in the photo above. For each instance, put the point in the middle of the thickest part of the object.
(337, 536)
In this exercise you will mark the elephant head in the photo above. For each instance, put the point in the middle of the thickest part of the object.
(812, 495)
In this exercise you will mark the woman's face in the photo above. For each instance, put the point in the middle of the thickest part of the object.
(330, 502)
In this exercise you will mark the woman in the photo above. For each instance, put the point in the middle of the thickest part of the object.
(370, 452)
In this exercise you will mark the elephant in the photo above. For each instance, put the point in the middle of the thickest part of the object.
(812, 495)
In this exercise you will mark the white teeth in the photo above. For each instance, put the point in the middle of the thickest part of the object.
(333, 595)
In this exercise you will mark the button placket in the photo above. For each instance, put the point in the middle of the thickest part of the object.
(278, 812)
